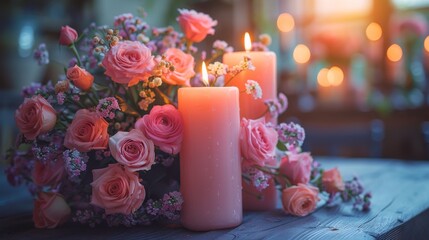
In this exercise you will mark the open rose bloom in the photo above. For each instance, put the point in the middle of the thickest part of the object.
(35, 116)
(195, 25)
(117, 190)
(300, 200)
(128, 62)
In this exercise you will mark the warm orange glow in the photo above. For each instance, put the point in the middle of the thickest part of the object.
(204, 74)
(322, 77)
(374, 31)
(335, 76)
(394, 53)
(301, 54)
(285, 22)
(426, 44)
(247, 42)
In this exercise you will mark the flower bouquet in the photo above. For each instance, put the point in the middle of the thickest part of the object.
(100, 145)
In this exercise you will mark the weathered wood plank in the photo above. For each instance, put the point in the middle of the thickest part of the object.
(400, 210)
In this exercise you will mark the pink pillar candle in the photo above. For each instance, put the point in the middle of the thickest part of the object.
(265, 74)
(210, 171)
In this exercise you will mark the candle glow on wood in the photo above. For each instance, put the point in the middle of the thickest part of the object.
(247, 42)
(205, 76)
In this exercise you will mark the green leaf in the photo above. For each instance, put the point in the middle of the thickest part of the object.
(23, 147)
(281, 146)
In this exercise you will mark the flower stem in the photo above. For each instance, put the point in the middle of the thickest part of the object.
(76, 54)
(188, 46)
(125, 30)
(229, 80)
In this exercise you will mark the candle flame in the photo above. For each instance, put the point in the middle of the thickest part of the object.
(247, 42)
(204, 74)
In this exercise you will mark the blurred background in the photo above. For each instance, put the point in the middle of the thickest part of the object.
(356, 72)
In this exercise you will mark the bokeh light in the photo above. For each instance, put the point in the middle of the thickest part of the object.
(426, 44)
(335, 76)
(301, 53)
(285, 22)
(394, 53)
(374, 31)
(322, 77)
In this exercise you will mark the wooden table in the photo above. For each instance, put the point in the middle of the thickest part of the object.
(400, 210)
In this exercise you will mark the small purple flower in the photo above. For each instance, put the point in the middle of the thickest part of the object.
(219, 45)
(60, 98)
(31, 90)
(253, 88)
(259, 179)
(75, 163)
(88, 216)
(76, 98)
(353, 191)
(277, 106)
(291, 134)
(168, 207)
(41, 54)
(107, 107)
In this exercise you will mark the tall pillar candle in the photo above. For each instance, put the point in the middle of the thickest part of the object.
(210, 171)
(265, 74)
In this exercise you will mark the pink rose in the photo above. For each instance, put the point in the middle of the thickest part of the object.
(332, 181)
(50, 210)
(48, 173)
(133, 150)
(300, 200)
(35, 116)
(128, 62)
(297, 167)
(80, 77)
(87, 131)
(67, 36)
(117, 190)
(258, 142)
(164, 126)
(196, 25)
(183, 67)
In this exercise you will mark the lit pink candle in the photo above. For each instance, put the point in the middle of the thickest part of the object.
(265, 74)
(210, 171)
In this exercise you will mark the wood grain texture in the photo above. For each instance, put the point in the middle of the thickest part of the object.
(400, 210)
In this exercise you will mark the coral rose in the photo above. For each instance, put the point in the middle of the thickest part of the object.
(50, 210)
(332, 181)
(196, 25)
(35, 116)
(117, 190)
(258, 142)
(133, 150)
(128, 62)
(183, 67)
(297, 167)
(80, 77)
(164, 126)
(49, 173)
(87, 131)
(300, 200)
(67, 36)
